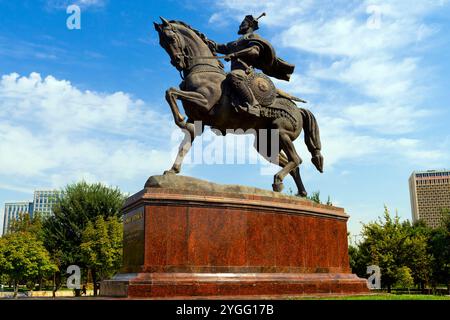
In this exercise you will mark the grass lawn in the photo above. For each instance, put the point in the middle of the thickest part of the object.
(384, 297)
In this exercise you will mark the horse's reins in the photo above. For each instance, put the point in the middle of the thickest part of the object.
(228, 56)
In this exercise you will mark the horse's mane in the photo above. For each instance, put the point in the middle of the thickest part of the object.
(200, 35)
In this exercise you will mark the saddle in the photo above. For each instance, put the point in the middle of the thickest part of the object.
(262, 88)
(265, 93)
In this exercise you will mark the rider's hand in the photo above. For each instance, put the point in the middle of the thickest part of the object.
(212, 45)
(230, 57)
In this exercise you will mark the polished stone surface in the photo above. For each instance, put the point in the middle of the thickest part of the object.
(183, 240)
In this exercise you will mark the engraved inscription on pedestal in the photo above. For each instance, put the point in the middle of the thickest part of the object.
(133, 239)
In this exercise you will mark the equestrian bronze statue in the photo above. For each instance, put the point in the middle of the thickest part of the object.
(243, 99)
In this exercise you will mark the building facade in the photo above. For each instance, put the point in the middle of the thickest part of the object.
(13, 210)
(43, 202)
(430, 195)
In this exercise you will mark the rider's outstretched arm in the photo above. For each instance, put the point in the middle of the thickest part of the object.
(252, 52)
(219, 48)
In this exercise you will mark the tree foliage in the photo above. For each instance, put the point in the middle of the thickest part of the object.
(358, 262)
(79, 204)
(101, 246)
(315, 197)
(440, 249)
(24, 259)
(25, 223)
(393, 245)
(404, 278)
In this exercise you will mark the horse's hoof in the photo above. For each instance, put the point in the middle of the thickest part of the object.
(278, 187)
(302, 194)
(169, 172)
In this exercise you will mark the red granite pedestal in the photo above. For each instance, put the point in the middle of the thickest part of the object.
(182, 240)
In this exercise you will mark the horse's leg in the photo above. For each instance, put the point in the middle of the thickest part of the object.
(282, 161)
(293, 160)
(185, 146)
(173, 94)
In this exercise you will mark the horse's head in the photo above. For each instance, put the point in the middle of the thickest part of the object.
(186, 46)
(173, 42)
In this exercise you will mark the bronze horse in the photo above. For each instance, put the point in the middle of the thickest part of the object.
(206, 97)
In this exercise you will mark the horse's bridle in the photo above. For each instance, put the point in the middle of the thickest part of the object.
(191, 68)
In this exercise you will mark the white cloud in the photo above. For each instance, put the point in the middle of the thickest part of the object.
(51, 134)
(63, 4)
(278, 11)
(402, 119)
(299, 84)
(364, 69)
(344, 144)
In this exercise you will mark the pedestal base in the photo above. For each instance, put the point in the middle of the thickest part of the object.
(187, 237)
(179, 285)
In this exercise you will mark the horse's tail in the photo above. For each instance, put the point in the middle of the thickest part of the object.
(312, 138)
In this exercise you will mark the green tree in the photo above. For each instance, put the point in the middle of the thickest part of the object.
(417, 256)
(79, 204)
(24, 259)
(101, 247)
(382, 246)
(315, 197)
(25, 223)
(392, 245)
(404, 278)
(31, 224)
(358, 262)
(439, 246)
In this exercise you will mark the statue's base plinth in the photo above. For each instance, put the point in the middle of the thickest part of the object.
(187, 237)
(164, 285)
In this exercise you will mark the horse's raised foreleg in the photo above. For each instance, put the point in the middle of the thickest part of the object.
(188, 127)
(185, 146)
(173, 94)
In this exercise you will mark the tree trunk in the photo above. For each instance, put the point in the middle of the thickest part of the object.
(54, 285)
(16, 288)
(94, 280)
(56, 282)
(389, 288)
(40, 284)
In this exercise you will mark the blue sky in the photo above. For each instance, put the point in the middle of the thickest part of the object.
(89, 104)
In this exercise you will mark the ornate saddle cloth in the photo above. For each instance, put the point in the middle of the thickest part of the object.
(262, 87)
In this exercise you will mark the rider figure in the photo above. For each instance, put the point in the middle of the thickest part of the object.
(249, 51)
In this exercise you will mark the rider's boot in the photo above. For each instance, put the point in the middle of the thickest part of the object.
(250, 104)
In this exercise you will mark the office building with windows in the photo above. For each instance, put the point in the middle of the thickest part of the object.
(12, 212)
(430, 195)
(43, 202)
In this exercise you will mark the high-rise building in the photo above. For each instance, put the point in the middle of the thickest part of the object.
(44, 200)
(13, 210)
(430, 195)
